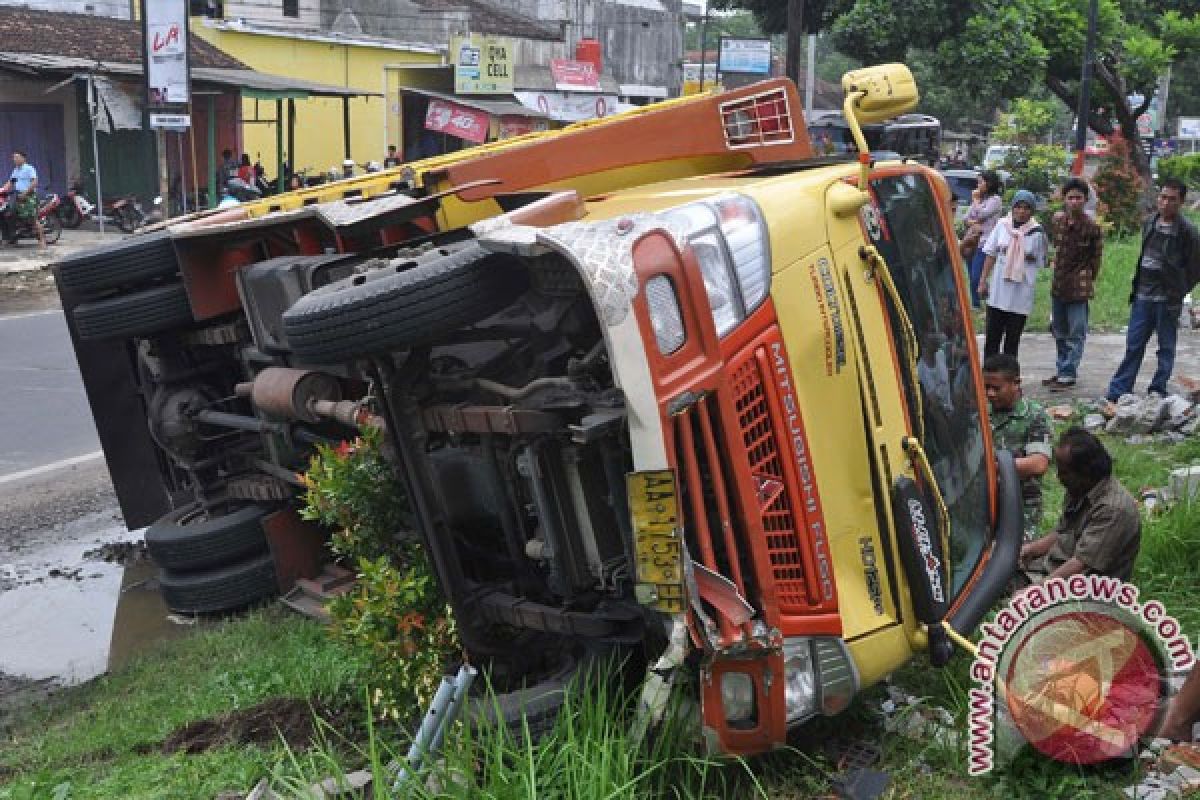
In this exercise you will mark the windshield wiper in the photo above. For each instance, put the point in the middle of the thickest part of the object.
(879, 268)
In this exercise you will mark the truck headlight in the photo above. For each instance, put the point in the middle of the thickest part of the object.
(722, 297)
(729, 239)
(799, 679)
(746, 236)
(665, 317)
(737, 696)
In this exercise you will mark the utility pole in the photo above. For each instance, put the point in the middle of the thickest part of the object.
(795, 38)
(1085, 81)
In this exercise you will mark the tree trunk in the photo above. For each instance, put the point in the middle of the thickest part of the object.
(1118, 95)
(795, 38)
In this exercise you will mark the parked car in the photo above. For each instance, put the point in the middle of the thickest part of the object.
(660, 401)
(962, 183)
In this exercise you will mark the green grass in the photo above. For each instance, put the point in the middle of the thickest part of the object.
(102, 740)
(1109, 309)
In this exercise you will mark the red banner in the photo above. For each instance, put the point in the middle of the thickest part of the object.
(574, 75)
(465, 123)
(515, 126)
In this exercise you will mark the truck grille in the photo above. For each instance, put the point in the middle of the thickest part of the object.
(727, 530)
(775, 505)
(758, 120)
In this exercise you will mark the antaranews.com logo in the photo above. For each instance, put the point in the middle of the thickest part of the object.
(1079, 667)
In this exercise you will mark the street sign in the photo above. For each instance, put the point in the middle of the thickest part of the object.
(466, 123)
(165, 58)
(1189, 127)
(482, 64)
(171, 122)
(744, 55)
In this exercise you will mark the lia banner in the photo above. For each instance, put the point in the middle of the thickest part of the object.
(165, 36)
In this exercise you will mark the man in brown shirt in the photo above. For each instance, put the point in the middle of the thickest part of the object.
(1100, 531)
(1078, 252)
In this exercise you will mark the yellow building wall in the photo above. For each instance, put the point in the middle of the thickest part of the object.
(374, 121)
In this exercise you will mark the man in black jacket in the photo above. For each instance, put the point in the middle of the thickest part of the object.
(1168, 268)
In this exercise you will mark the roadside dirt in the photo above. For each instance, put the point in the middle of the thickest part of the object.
(262, 725)
(27, 291)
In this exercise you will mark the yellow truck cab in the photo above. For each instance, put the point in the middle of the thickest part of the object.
(667, 384)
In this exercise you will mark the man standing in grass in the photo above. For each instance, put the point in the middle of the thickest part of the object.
(1078, 252)
(1022, 426)
(1100, 531)
(1167, 269)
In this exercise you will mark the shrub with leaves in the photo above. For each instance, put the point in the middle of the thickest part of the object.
(1119, 188)
(1040, 168)
(1184, 167)
(395, 617)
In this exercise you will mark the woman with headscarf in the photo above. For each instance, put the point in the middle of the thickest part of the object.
(1013, 254)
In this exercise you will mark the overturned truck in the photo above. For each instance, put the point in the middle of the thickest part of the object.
(666, 384)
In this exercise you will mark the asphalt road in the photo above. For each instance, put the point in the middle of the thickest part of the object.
(45, 419)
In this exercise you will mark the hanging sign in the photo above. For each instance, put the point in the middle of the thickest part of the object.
(465, 123)
(165, 59)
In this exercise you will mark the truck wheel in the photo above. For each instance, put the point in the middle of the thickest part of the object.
(136, 314)
(135, 260)
(189, 538)
(225, 588)
(537, 705)
(401, 303)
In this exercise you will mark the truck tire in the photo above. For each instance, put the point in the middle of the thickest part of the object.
(401, 303)
(226, 588)
(189, 539)
(535, 706)
(135, 314)
(126, 263)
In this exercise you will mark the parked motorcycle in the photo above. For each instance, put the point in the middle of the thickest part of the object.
(124, 212)
(15, 228)
(75, 208)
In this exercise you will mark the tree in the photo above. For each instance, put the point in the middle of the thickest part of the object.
(1003, 51)
(741, 24)
(772, 14)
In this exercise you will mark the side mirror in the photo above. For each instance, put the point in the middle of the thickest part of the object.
(884, 91)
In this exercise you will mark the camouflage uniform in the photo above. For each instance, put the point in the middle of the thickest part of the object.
(1025, 430)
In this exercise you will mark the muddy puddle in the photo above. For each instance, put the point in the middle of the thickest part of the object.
(82, 596)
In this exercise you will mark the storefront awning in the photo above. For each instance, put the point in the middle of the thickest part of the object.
(501, 105)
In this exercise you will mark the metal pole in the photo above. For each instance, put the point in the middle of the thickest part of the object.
(1085, 81)
(810, 76)
(703, 46)
(280, 180)
(214, 192)
(346, 125)
(182, 177)
(93, 113)
(291, 150)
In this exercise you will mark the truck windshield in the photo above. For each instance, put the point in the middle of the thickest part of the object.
(914, 245)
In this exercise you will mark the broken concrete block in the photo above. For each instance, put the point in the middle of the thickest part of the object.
(1190, 427)
(1152, 414)
(1093, 422)
(1185, 483)
(1125, 415)
(1179, 411)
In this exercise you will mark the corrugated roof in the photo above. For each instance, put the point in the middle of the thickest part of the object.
(532, 78)
(83, 36)
(500, 104)
(489, 18)
(240, 78)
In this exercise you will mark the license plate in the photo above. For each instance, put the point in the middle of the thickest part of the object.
(654, 507)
